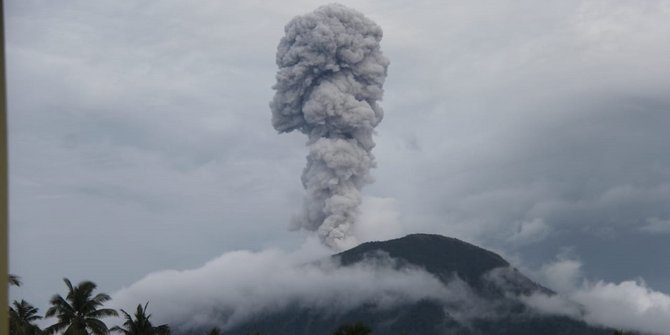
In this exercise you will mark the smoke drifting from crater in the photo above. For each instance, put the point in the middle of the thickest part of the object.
(331, 73)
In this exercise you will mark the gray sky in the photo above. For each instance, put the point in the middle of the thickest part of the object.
(140, 135)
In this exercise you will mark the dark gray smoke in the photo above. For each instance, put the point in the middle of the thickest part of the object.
(331, 73)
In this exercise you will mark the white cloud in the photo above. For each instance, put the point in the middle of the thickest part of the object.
(379, 220)
(240, 284)
(562, 275)
(553, 304)
(656, 225)
(530, 231)
(629, 304)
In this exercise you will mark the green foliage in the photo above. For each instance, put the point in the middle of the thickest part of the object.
(21, 317)
(79, 313)
(140, 324)
(357, 328)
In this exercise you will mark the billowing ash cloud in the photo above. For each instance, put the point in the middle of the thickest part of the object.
(331, 73)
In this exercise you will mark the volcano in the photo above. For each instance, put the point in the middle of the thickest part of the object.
(491, 286)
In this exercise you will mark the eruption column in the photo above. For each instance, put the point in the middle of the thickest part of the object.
(331, 73)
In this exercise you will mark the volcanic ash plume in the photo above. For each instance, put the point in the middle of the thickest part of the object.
(331, 73)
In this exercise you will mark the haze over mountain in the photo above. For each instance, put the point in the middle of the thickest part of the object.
(485, 295)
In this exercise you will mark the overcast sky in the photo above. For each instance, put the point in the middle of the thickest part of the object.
(140, 136)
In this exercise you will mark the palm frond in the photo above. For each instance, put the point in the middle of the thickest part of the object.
(25, 311)
(104, 312)
(59, 306)
(101, 297)
(126, 315)
(80, 296)
(68, 284)
(96, 326)
(87, 286)
(75, 329)
(120, 330)
(143, 311)
(55, 328)
(14, 280)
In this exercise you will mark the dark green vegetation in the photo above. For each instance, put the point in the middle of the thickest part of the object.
(140, 324)
(79, 313)
(21, 318)
(492, 283)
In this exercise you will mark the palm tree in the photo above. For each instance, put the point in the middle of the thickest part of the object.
(141, 324)
(21, 317)
(79, 313)
(357, 328)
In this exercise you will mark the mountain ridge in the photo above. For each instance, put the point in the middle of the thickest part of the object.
(471, 263)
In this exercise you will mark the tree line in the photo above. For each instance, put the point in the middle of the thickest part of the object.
(81, 313)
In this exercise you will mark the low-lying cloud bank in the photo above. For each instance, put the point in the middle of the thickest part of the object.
(238, 285)
(630, 304)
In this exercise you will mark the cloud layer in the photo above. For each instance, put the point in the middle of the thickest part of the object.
(629, 304)
(238, 285)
